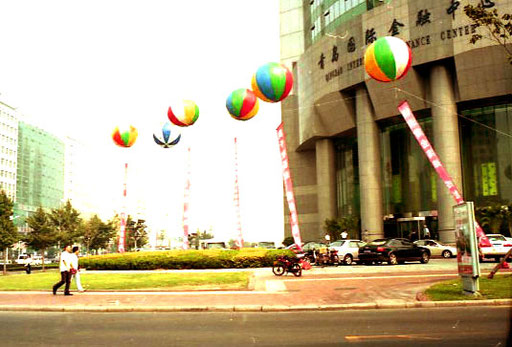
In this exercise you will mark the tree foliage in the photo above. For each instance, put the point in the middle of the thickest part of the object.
(66, 221)
(498, 27)
(96, 234)
(42, 234)
(8, 233)
(136, 234)
(334, 227)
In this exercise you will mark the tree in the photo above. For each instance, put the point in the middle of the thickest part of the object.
(96, 234)
(334, 227)
(136, 234)
(499, 28)
(42, 234)
(8, 232)
(66, 221)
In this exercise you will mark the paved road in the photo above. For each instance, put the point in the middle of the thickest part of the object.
(468, 326)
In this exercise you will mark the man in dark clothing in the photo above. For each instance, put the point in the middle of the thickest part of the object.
(65, 273)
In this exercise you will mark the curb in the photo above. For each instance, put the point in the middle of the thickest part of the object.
(258, 308)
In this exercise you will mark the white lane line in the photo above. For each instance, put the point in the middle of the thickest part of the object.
(367, 278)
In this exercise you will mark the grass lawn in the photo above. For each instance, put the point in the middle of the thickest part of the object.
(129, 281)
(498, 288)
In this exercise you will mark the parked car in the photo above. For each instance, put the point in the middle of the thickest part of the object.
(267, 245)
(499, 247)
(308, 246)
(393, 251)
(437, 248)
(348, 250)
(21, 259)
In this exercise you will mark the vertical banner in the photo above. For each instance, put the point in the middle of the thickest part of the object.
(186, 200)
(420, 136)
(288, 185)
(122, 231)
(236, 199)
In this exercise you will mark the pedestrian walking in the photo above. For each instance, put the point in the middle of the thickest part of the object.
(426, 232)
(65, 271)
(344, 234)
(28, 264)
(76, 268)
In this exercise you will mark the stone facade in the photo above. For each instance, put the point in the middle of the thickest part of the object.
(333, 97)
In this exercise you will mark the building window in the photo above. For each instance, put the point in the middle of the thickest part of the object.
(408, 179)
(487, 154)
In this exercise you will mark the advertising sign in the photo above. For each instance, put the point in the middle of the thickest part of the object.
(467, 249)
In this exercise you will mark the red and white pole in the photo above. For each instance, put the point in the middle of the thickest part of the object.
(122, 231)
(186, 201)
(236, 199)
(288, 185)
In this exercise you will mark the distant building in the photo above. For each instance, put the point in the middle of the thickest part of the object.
(351, 153)
(8, 149)
(40, 180)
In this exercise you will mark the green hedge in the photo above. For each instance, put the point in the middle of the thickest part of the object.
(184, 259)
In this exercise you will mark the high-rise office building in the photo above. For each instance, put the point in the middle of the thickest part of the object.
(8, 149)
(40, 180)
(351, 153)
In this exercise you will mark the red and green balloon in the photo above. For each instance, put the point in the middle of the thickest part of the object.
(387, 59)
(124, 136)
(242, 104)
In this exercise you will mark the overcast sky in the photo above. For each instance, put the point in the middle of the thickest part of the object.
(79, 68)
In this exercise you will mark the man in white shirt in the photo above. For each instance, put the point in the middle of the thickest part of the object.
(74, 264)
(65, 265)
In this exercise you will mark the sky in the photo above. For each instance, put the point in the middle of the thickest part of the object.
(78, 69)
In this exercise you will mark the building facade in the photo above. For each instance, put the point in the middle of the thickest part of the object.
(8, 151)
(40, 179)
(351, 153)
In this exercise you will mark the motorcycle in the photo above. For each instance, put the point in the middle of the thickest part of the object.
(284, 264)
(330, 257)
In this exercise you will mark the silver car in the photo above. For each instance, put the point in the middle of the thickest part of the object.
(348, 250)
(437, 248)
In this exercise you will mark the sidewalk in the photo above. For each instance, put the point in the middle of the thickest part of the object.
(340, 288)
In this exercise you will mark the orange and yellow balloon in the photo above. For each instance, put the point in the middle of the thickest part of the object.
(124, 136)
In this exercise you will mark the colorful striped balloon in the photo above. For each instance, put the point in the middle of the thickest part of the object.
(124, 137)
(184, 115)
(168, 136)
(242, 104)
(387, 59)
(272, 82)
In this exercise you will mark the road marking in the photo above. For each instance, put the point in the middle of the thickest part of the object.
(368, 278)
(275, 286)
(357, 338)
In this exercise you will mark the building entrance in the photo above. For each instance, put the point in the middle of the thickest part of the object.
(411, 228)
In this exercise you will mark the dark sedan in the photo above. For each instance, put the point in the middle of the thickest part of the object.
(393, 251)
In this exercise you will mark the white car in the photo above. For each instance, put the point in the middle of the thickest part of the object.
(500, 247)
(437, 248)
(348, 250)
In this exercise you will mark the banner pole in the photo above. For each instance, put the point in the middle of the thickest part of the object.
(288, 185)
(240, 240)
